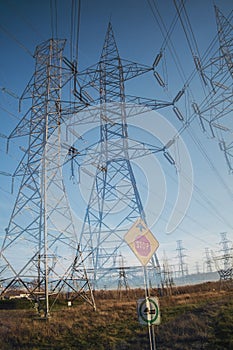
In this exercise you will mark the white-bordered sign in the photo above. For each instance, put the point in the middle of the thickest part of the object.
(141, 241)
(148, 311)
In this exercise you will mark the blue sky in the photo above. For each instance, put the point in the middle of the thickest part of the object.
(25, 24)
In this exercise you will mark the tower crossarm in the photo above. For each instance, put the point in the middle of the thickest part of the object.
(148, 102)
(134, 69)
(90, 77)
(130, 70)
(136, 149)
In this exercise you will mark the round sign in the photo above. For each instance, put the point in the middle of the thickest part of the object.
(151, 313)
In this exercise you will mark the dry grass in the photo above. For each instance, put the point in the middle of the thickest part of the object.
(191, 319)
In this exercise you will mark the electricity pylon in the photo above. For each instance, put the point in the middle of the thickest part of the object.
(208, 261)
(224, 263)
(227, 251)
(182, 266)
(215, 110)
(40, 252)
(122, 278)
(167, 273)
(114, 203)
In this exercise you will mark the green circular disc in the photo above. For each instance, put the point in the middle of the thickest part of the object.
(156, 311)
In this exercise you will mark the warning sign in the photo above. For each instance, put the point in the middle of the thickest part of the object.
(141, 241)
(148, 311)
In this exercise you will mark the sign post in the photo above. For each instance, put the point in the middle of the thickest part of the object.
(142, 242)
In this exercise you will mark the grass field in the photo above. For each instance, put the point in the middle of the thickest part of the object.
(196, 317)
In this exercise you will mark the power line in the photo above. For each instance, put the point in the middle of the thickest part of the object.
(75, 29)
(10, 35)
(167, 37)
(53, 17)
(211, 164)
(78, 30)
(18, 12)
(9, 113)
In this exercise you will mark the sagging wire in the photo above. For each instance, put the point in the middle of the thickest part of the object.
(53, 18)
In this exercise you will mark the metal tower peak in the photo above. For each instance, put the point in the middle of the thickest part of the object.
(110, 46)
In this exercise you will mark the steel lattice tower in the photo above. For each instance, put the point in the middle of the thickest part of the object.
(227, 251)
(114, 182)
(40, 252)
(224, 263)
(122, 278)
(182, 267)
(208, 260)
(215, 110)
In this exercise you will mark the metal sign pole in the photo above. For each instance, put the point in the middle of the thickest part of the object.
(144, 244)
(151, 329)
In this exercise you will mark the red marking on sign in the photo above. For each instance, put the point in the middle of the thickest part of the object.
(142, 245)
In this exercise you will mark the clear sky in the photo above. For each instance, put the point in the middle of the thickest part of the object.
(139, 28)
